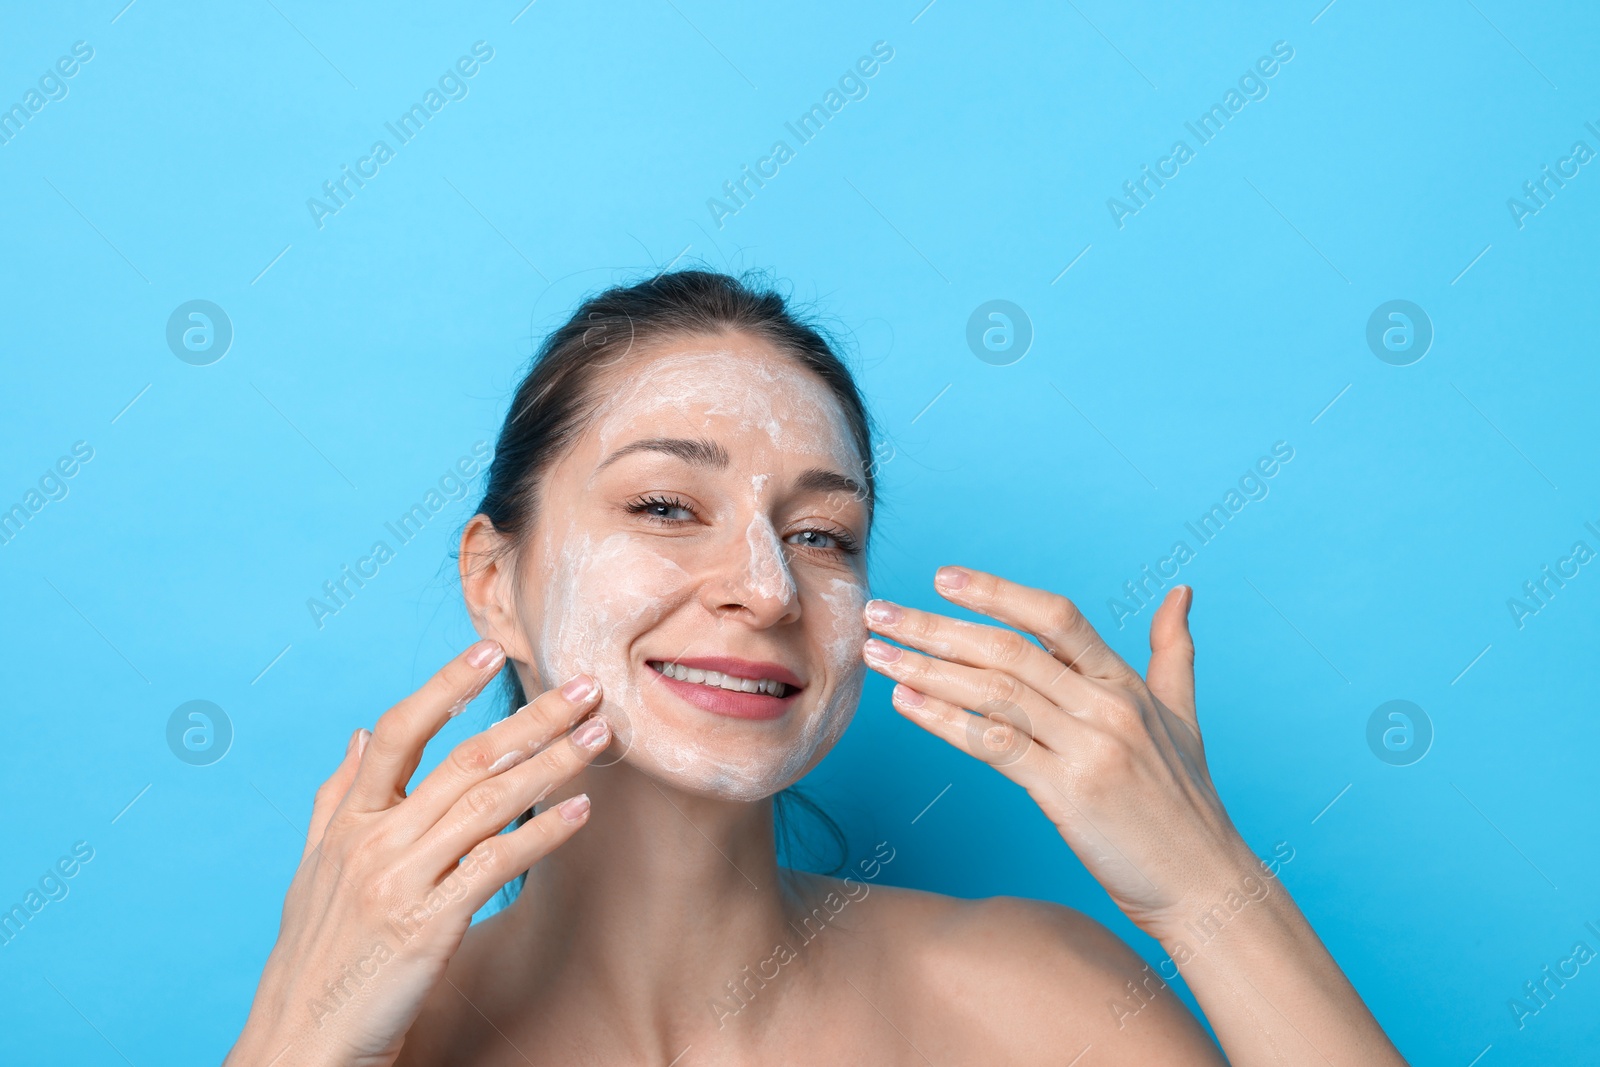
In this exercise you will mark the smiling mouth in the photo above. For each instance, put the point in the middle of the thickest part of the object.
(720, 680)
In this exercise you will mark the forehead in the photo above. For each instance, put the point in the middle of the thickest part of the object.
(733, 387)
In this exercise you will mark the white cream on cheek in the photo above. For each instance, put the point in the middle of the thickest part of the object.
(594, 598)
(598, 601)
(842, 638)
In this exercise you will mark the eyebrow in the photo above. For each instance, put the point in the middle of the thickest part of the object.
(819, 480)
(698, 452)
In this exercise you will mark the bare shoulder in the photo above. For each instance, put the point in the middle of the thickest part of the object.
(1011, 980)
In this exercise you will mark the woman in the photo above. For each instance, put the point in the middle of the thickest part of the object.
(670, 553)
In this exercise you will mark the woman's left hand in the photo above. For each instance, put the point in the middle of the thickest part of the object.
(1115, 760)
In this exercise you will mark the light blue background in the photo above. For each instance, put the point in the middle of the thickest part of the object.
(1224, 316)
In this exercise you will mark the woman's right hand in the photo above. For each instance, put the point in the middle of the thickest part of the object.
(388, 883)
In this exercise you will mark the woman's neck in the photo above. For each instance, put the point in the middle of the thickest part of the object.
(660, 902)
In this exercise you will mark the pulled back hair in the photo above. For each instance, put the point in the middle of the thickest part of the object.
(562, 391)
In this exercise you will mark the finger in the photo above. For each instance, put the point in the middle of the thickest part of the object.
(403, 731)
(529, 777)
(1053, 619)
(1031, 766)
(991, 694)
(333, 790)
(505, 744)
(1171, 672)
(976, 645)
(996, 742)
(498, 859)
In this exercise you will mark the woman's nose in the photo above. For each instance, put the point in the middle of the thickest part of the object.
(756, 577)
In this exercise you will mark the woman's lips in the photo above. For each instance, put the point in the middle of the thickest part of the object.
(730, 702)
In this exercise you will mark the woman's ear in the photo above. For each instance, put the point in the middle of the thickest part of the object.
(488, 585)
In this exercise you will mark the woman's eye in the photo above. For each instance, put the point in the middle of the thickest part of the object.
(668, 512)
(662, 509)
(813, 539)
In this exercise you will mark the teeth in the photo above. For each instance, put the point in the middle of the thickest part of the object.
(718, 680)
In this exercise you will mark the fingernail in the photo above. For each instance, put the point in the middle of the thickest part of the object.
(881, 652)
(951, 578)
(574, 808)
(591, 733)
(350, 745)
(580, 688)
(363, 735)
(484, 653)
(907, 696)
(882, 611)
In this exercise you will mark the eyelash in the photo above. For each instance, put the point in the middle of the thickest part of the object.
(644, 504)
(846, 543)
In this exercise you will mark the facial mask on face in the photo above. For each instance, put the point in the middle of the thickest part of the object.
(598, 597)
(679, 391)
(769, 569)
(602, 593)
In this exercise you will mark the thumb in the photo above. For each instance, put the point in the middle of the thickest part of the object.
(333, 790)
(1171, 673)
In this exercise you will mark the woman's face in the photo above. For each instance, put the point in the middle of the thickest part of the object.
(699, 551)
